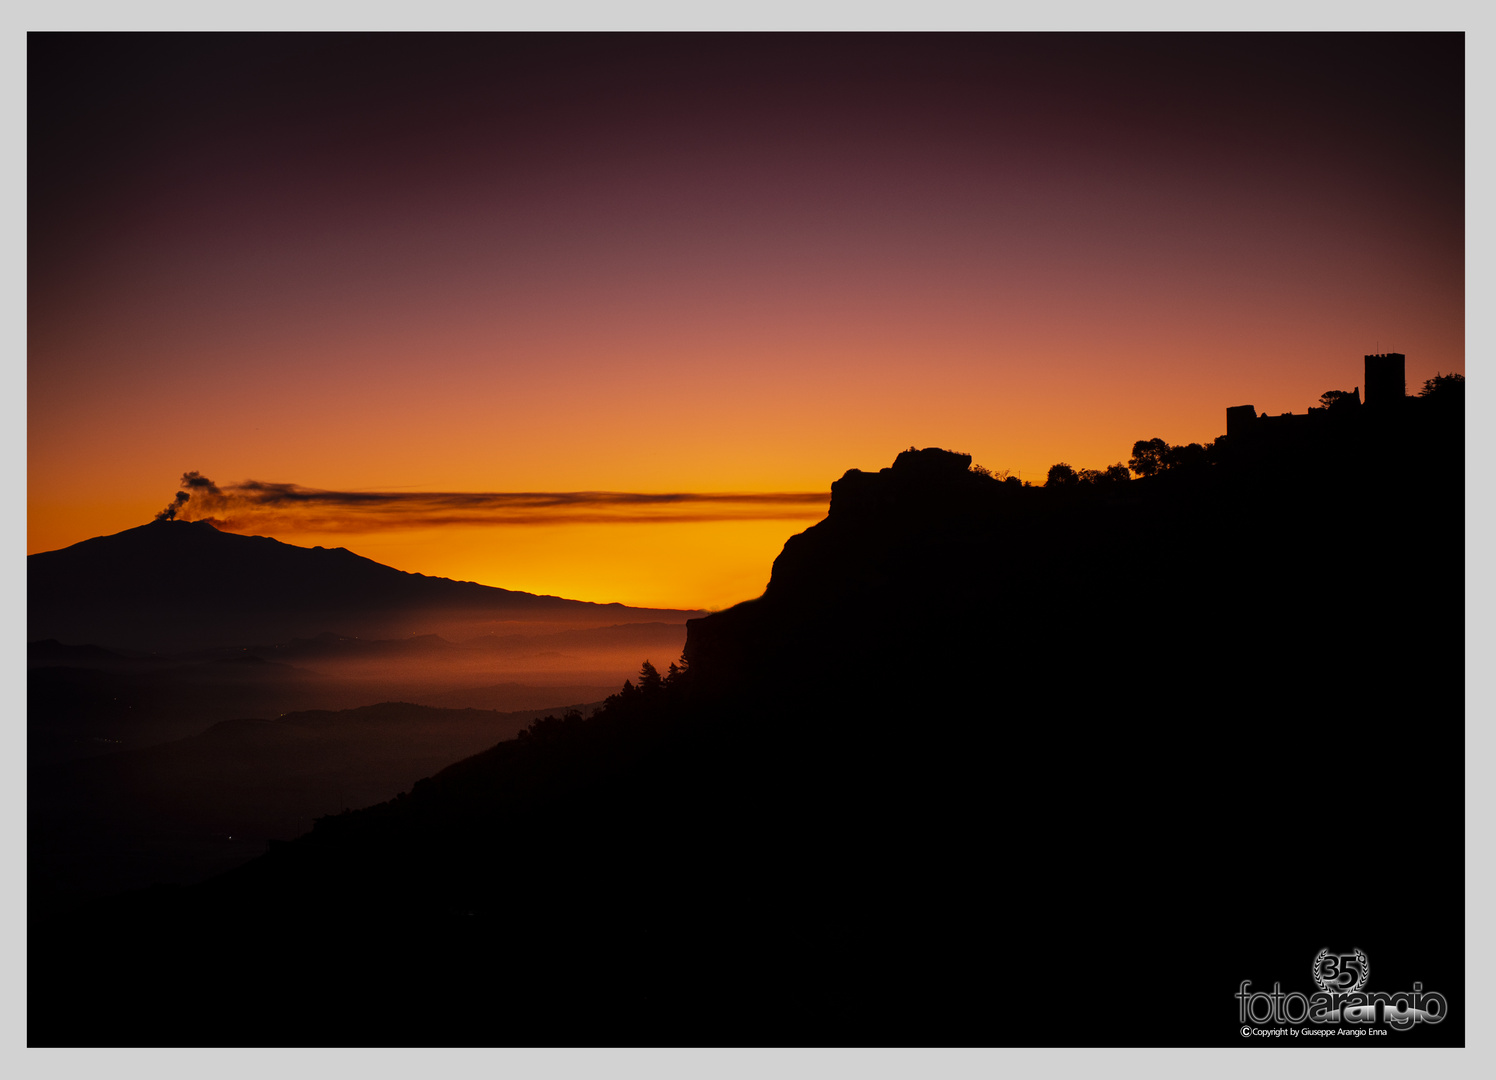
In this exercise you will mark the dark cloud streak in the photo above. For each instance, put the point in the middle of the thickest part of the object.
(258, 504)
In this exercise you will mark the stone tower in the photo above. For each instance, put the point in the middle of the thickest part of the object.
(1386, 378)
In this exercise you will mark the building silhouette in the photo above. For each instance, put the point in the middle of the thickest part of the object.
(1385, 382)
(1386, 378)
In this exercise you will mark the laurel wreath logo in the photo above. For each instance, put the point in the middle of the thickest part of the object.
(1319, 980)
(1362, 963)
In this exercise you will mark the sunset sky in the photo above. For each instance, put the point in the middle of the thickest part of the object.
(700, 266)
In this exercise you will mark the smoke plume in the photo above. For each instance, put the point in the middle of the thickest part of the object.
(255, 505)
(193, 481)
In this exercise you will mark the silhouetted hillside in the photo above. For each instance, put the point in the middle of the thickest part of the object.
(179, 811)
(986, 765)
(171, 586)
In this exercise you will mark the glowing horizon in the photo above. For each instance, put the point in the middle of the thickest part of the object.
(720, 264)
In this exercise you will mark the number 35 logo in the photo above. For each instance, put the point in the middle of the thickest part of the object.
(1341, 973)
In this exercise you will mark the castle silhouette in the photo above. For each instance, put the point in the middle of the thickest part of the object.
(1386, 388)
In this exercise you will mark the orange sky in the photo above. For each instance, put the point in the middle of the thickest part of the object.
(704, 265)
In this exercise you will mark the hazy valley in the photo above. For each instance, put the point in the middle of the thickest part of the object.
(166, 742)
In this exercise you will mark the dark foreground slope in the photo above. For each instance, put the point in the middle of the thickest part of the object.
(176, 585)
(985, 765)
(183, 810)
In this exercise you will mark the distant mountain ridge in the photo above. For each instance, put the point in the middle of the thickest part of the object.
(173, 585)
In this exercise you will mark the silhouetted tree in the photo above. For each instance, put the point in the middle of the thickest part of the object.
(1153, 456)
(1444, 386)
(649, 678)
(1337, 400)
(1061, 475)
(675, 675)
(1112, 474)
(1148, 456)
(1188, 456)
